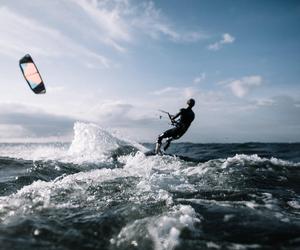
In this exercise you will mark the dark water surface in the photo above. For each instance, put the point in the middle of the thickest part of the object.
(104, 194)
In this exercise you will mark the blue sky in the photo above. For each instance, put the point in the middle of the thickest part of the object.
(116, 62)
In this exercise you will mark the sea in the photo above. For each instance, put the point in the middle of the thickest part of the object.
(101, 191)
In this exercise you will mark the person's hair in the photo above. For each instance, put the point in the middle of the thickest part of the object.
(191, 102)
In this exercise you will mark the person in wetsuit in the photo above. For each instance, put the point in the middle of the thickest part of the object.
(186, 117)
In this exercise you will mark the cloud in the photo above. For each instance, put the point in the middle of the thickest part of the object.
(164, 91)
(241, 87)
(84, 28)
(155, 24)
(265, 102)
(12, 131)
(18, 120)
(109, 18)
(226, 39)
(56, 89)
(111, 109)
(21, 34)
(173, 98)
(277, 119)
(121, 21)
(200, 78)
(134, 120)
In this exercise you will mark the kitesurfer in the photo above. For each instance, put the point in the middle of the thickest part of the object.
(186, 117)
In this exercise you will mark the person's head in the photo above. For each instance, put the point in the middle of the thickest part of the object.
(191, 102)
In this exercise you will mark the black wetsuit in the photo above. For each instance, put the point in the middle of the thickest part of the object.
(186, 118)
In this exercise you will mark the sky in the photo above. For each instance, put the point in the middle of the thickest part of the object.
(115, 63)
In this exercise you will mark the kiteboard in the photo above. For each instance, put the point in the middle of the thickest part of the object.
(181, 157)
(150, 153)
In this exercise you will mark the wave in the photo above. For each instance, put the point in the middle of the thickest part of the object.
(100, 184)
(142, 180)
(91, 144)
(157, 175)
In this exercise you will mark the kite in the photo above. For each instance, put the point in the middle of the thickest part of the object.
(32, 75)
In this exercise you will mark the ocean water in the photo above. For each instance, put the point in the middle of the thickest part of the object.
(102, 192)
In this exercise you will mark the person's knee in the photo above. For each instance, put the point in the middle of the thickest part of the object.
(160, 137)
(169, 139)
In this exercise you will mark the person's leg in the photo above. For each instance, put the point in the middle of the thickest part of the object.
(166, 134)
(168, 143)
(173, 135)
(158, 144)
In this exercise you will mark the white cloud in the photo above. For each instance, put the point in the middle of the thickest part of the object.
(113, 109)
(171, 97)
(190, 92)
(200, 78)
(122, 22)
(154, 23)
(265, 102)
(55, 89)
(12, 131)
(226, 39)
(109, 19)
(241, 87)
(20, 35)
(114, 23)
(21, 120)
(164, 91)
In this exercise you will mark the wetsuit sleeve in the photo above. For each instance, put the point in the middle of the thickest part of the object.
(177, 115)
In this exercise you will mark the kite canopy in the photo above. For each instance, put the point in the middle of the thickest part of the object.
(32, 75)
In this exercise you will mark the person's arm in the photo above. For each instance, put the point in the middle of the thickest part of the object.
(174, 117)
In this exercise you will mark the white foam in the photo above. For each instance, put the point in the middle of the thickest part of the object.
(41, 194)
(294, 204)
(228, 217)
(34, 151)
(152, 185)
(239, 159)
(236, 246)
(157, 176)
(159, 173)
(211, 244)
(163, 230)
(242, 159)
(91, 144)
